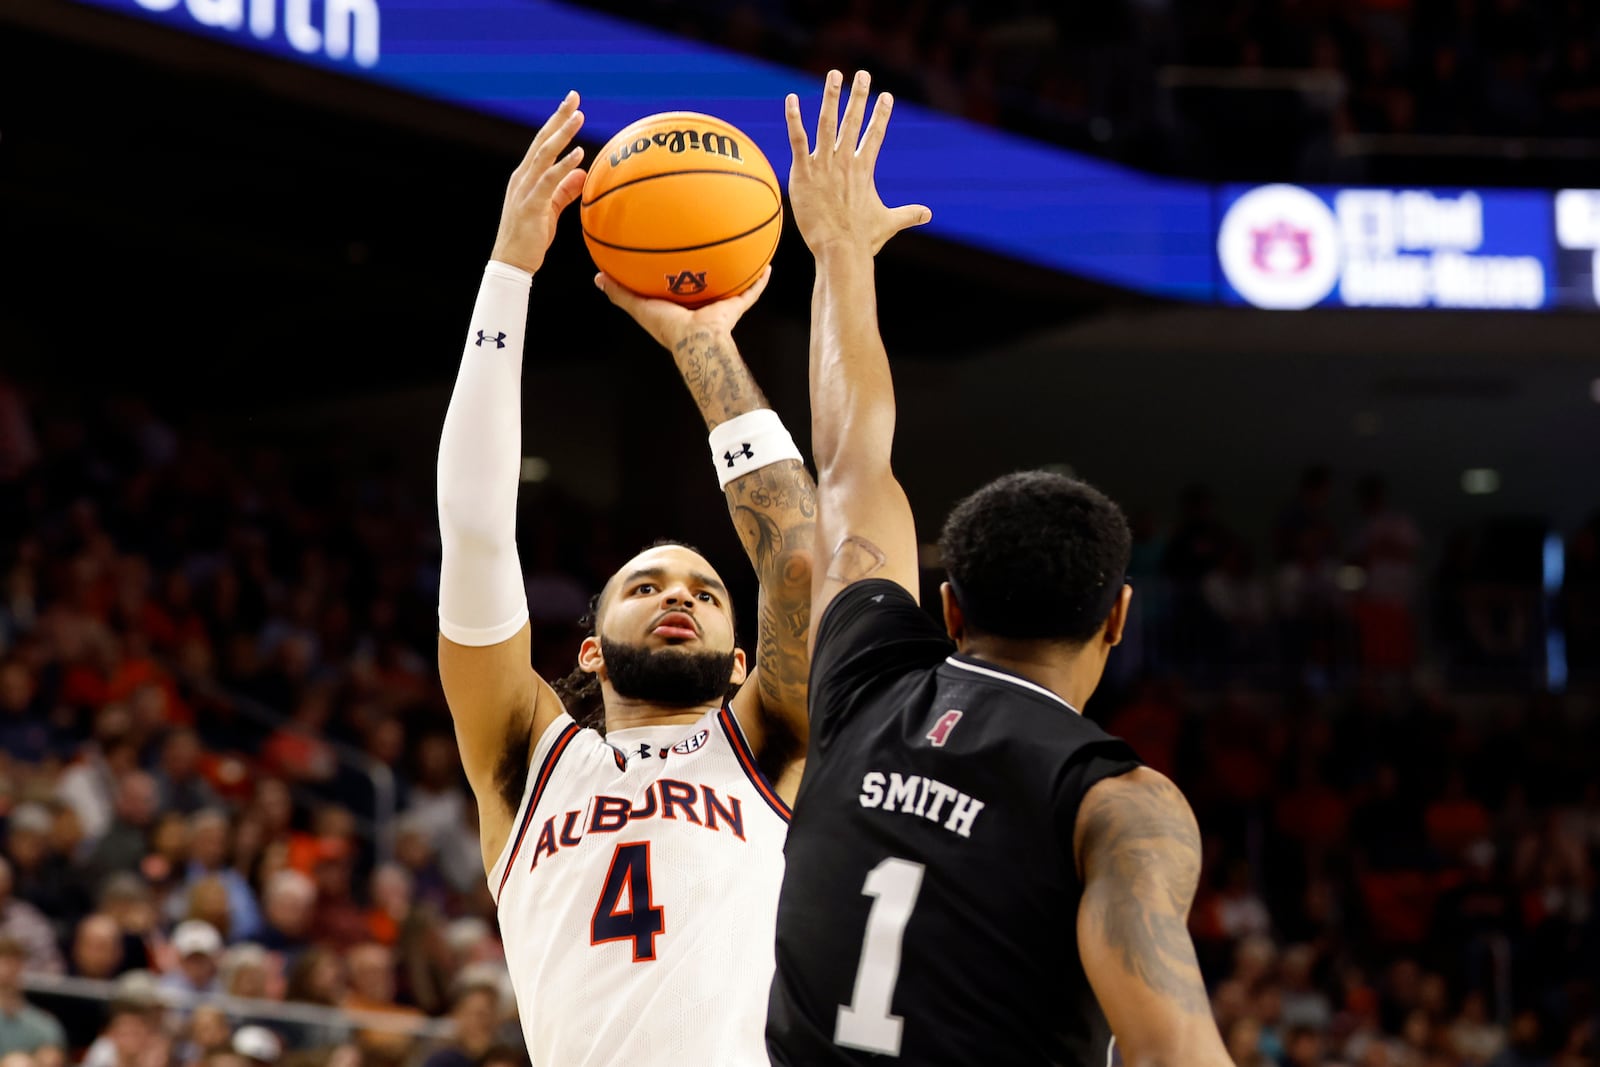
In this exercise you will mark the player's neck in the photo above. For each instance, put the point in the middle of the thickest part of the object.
(1070, 677)
(626, 713)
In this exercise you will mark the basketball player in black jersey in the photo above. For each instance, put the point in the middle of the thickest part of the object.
(976, 874)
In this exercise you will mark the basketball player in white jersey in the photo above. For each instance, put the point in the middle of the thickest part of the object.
(635, 867)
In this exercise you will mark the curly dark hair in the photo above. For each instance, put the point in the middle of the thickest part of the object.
(1037, 556)
(580, 690)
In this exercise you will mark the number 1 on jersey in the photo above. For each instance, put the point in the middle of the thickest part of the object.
(641, 920)
(865, 1023)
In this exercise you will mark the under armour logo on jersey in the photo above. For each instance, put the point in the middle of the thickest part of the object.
(645, 752)
(744, 450)
(499, 339)
(686, 283)
(941, 729)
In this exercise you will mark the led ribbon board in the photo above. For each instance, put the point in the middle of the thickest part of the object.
(1269, 246)
(516, 58)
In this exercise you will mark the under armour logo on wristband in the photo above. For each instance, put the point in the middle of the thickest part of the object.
(499, 339)
(744, 450)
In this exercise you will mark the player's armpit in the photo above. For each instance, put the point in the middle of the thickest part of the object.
(1138, 852)
(500, 708)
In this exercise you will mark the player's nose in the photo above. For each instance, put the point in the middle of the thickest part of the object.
(678, 596)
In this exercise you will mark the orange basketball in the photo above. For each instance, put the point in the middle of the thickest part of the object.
(682, 206)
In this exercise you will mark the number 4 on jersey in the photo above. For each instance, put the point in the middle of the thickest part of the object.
(640, 921)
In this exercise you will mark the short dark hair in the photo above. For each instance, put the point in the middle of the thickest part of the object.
(1037, 556)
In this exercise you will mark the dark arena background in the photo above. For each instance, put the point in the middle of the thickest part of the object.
(1308, 287)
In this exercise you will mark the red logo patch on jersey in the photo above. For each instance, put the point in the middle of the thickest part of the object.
(941, 729)
(690, 744)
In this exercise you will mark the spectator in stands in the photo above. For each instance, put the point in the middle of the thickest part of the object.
(199, 948)
(23, 1027)
(208, 1032)
(248, 970)
(413, 850)
(181, 785)
(24, 730)
(42, 876)
(28, 926)
(391, 903)
(208, 859)
(127, 898)
(90, 783)
(259, 1046)
(474, 1017)
(133, 1034)
(372, 989)
(438, 801)
(289, 903)
(317, 977)
(1385, 546)
(126, 842)
(340, 921)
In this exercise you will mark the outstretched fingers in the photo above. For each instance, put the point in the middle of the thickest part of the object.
(828, 120)
(877, 128)
(556, 174)
(799, 144)
(855, 110)
(558, 118)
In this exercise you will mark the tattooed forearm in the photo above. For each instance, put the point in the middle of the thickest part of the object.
(1140, 856)
(717, 378)
(774, 511)
(855, 558)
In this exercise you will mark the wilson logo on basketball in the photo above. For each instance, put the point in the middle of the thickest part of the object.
(716, 144)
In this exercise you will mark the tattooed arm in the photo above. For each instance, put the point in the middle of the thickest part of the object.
(864, 523)
(773, 510)
(1138, 853)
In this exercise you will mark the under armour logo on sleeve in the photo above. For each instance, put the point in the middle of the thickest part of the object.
(498, 339)
(744, 451)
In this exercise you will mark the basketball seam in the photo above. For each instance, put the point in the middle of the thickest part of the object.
(734, 290)
(688, 248)
(674, 174)
(741, 286)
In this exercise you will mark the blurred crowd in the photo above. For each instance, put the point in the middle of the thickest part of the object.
(1137, 79)
(208, 649)
(1345, 588)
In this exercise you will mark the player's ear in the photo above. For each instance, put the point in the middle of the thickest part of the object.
(741, 669)
(590, 658)
(954, 622)
(1118, 619)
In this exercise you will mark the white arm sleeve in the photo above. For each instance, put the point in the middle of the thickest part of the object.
(482, 598)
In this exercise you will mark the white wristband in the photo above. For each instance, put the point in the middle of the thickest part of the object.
(749, 442)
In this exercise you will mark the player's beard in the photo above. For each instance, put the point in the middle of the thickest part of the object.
(675, 677)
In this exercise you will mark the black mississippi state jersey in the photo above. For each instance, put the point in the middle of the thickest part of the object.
(929, 909)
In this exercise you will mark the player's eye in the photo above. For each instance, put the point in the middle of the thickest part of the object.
(707, 597)
(646, 588)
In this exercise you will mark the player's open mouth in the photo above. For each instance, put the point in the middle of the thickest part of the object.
(676, 624)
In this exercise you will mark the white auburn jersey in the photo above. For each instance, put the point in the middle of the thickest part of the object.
(638, 896)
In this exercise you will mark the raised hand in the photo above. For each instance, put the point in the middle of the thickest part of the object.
(541, 188)
(831, 187)
(670, 323)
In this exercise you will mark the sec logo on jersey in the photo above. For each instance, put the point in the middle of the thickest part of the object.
(689, 744)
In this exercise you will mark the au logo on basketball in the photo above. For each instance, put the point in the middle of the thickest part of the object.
(686, 283)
